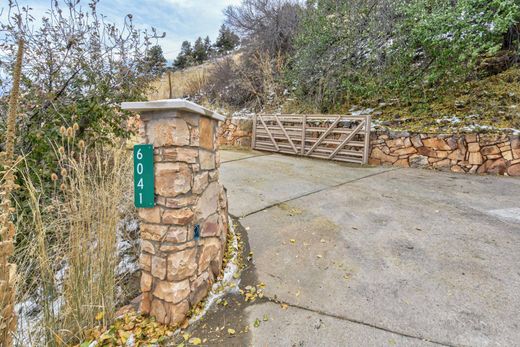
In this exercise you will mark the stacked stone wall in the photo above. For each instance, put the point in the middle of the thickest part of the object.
(497, 154)
(465, 153)
(236, 132)
(178, 266)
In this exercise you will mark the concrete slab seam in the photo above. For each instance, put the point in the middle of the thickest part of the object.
(314, 192)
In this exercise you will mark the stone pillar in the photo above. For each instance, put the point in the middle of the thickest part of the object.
(183, 237)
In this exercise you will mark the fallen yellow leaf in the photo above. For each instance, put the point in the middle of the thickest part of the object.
(231, 331)
(195, 341)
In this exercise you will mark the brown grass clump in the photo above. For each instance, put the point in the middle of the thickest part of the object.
(70, 257)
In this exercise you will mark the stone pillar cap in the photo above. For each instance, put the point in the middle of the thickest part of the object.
(171, 104)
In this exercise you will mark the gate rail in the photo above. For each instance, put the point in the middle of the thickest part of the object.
(334, 137)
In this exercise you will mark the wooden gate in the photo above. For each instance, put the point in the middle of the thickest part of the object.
(343, 138)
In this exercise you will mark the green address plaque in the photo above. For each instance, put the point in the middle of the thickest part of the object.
(144, 196)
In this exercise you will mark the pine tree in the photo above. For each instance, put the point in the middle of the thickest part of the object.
(208, 47)
(227, 40)
(199, 51)
(184, 59)
(155, 62)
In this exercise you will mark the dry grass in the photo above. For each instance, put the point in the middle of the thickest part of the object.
(179, 84)
(186, 82)
(70, 255)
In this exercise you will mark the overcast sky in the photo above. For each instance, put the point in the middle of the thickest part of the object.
(180, 19)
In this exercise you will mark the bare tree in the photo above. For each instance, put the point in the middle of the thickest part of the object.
(267, 25)
(78, 68)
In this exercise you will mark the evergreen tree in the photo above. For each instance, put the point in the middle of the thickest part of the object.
(184, 59)
(199, 51)
(227, 40)
(208, 47)
(154, 61)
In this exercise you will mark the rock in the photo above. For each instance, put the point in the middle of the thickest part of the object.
(426, 151)
(442, 154)
(452, 142)
(145, 303)
(168, 247)
(153, 232)
(208, 202)
(222, 198)
(173, 292)
(456, 168)
(514, 170)
(213, 175)
(168, 132)
(178, 216)
(180, 202)
(457, 155)
(417, 161)
(516, 152)
(186, 155)
(172, 179)
(436, 143)
(395, 143)
(416, 141)
(150, 215)
(402, 163)
(182, 264)
(207, 160)
(147, 246)
(199, 288)
(178, 312)
(158, 310)
(194, 137)
(473, 147)
(209, 254)
(145, 262)
(490, 150)
(405, 151)
(210, 226)
(206, 130)
(507, 155)
(442, 163)
(471, 138)
(378, 154)
(146, 281)
(159, 267)
(475, 158)
(498, 167)
(200, 182)
(175, 234)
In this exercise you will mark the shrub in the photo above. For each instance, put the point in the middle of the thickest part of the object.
(351, 51)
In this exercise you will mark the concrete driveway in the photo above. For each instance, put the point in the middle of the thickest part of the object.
(377, 256)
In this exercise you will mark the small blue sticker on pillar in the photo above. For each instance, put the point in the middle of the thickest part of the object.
(144, 196)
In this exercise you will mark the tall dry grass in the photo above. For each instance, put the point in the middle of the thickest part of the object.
(69, 258)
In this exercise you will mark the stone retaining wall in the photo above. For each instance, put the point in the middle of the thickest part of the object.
(465, 153)
(235, 132)
(469, 153)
